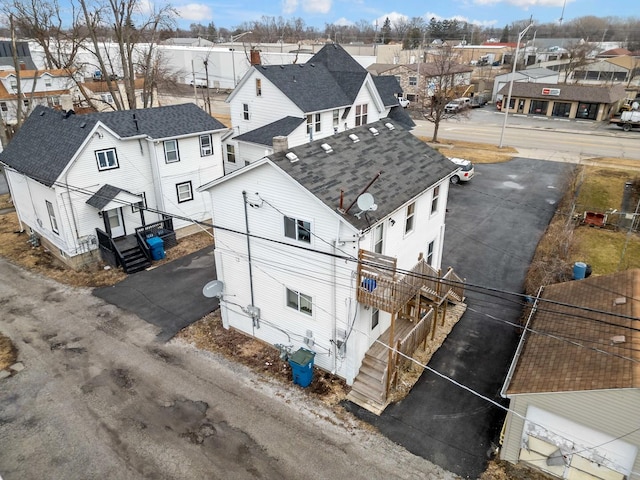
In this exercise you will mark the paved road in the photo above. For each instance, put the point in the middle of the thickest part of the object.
(493, 226)
(100, 398)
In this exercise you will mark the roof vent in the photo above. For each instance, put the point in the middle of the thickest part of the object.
(354, 138)
(293, 158)
(620, 301)
(374, 131)
(390, 126)
(83, 124)
(42, 113)
(618, 339)
(326, 147)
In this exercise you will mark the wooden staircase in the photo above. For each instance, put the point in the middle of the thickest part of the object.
(369, 387)
(134, 260)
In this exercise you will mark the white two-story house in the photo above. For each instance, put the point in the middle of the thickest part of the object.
(322, 245)
(329, 93)
(52, 88)
(101, 183)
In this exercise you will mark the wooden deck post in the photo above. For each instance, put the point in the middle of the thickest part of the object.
(390, 359)
(444, 313)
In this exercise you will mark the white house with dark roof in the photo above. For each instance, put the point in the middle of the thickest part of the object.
(313, 213)
(574, 383)
(329, 93)
(106, 181)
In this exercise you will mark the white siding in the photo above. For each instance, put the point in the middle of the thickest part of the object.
(277, 267)
(614, 412)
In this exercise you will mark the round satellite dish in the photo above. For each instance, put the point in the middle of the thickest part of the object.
(213, 289)
(365, 202)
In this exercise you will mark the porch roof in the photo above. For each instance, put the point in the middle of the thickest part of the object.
(109, 197)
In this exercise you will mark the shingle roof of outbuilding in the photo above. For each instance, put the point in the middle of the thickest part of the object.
(264, 135)
(49, 139)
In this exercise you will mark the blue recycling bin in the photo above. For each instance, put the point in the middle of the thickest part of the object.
(302, 366)
(156, 245)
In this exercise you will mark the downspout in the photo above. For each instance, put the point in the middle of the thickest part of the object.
(73, 215)
(334, 293)
(246, 222)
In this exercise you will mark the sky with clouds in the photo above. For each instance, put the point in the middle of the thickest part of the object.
(317, 13)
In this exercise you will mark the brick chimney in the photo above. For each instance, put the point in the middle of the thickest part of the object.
(280, 144)
(23, 66)
(255, 57)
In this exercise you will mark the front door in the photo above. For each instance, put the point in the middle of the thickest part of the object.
(116, 222)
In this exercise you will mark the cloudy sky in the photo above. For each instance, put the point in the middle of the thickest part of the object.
(317, 13)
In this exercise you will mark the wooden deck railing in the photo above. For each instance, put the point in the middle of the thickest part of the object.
(409, 344)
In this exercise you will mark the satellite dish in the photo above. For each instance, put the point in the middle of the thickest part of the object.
(213, 289)
(365, 202)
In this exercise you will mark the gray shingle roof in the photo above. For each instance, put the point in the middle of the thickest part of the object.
(408, 165)
(569, 93)
(388, 87)
(104, 195)
(47, 141)
(23, 54)
(400, 115)
(264, 135)
(330, 79)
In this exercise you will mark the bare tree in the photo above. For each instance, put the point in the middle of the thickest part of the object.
(578, 57)
(444, 78)
(401, 27)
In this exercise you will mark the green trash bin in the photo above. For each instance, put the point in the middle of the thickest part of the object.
(302, 366)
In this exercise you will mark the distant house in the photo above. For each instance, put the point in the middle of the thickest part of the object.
(304, 102)
(52, 88)
(23, 55)
(530, 75)
(101, 97)
(574, 385)
(564, 101)
(417, 79)
(621, 70)
(311, 240)
(100, 183)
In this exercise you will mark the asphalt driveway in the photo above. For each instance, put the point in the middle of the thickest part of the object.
(493, 226)
(169, 296)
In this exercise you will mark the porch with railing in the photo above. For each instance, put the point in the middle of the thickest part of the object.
(416, 300)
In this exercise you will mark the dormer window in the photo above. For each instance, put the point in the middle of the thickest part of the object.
(14, 83)
(361, 115)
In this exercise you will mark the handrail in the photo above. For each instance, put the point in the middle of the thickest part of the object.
(144, 246)
(105, 241)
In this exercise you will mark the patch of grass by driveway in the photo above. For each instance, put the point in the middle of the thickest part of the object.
(601, 189)
(476, 152)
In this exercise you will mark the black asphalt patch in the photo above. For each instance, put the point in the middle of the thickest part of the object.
(169, 296)
(494, 223)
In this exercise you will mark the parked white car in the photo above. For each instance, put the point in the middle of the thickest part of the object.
(457, 105)
(404, 103)
(465, 173)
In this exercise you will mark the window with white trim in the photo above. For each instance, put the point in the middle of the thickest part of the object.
(107, 159)
(206, 147)
(107, 98)
(299, 301)
(3, 106)
(14, 83)
(25, 102)
(313, 123)
(361, 114)
(258, 87)
(378, 235)
(47, 81)
(231, 153)
(171, 151)
(430, 249)
(52, 216)
(297, 229)
(413, 81)
(245, 111)
(408, 223)
(184, 191)
(434, 199)
(336, 119)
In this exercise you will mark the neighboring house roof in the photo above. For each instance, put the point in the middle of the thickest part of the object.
(624, 61)
(24, 54)
(49, 139)
(5, 95)
(615, 52)
(569, 345)
(407, 165)
(388, 87)
(379, 68)
(546, 43)
(330, 79)
(571, 93)
(191, 42)
(103, 87)
(400, 115)
(429, 69)
(264, 135)
(538, 72)
(56, 72)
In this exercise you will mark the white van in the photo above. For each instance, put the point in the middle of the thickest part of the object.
(457, 105)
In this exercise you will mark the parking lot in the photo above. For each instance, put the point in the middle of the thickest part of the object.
(493, 225)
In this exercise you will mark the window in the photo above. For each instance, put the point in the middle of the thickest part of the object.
(47, 81)
(14, 83)
(142, 204)
(258, 87)
(309, 124)
(107, 159)
(313, 123)
(25, 102)
(336, 119)
(317, 126)
(52, 216)
(53, 101)
(430, 252)
(538, 107)
(107, 98)
(299, 301)
(413, 81)
(434, 199)
(3, 106)
(205, 145)
(185, 192)
(375, 318)
(361, 115)
(378, 235)
(561, 109)
(231, 154)
(297, 229)
(408, 224)
(171, 151)
(245, 111)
